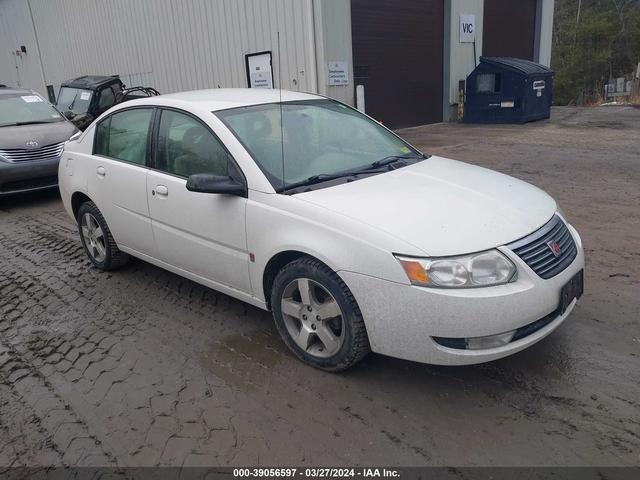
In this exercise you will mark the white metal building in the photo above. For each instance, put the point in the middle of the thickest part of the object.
(409, 54)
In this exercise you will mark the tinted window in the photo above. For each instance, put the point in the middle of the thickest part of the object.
(102, 137)
(124, 136)
(107, 99)
(187, 147)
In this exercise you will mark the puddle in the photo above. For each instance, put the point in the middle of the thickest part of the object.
(244, 359)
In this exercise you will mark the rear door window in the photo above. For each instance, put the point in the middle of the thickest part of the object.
(107, 99)
(124, 135)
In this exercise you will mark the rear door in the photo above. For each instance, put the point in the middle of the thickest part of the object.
(201, 233)
(117, 178)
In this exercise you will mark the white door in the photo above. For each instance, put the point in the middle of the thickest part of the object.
(118, 178)
(201, 233)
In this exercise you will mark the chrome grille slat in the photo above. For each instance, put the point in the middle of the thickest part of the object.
(30, 154)
(565, 241)
(541, 243)
(546, 254)
(25, 155)
(542, 262)
(535, 252)
(543, 250)
(563, 263)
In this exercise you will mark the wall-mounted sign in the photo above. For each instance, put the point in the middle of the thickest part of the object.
(467, 28)
(337, 73)
(259, 71)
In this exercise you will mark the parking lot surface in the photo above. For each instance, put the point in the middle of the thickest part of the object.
(141, 367)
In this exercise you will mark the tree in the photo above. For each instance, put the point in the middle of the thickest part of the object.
(594, 40)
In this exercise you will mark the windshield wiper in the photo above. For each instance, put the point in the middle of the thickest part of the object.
(390, 160)
(375, 168)
(73, 102)
(322, 177)
(20, 124)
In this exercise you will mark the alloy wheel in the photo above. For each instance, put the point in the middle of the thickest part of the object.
(94, 238)
(313, 318)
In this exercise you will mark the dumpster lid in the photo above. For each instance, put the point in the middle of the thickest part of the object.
(518, 64)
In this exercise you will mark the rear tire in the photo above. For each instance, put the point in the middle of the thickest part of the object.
(97, 240)
(317, 316)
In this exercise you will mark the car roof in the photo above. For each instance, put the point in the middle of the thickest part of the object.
(14, 91)
(225, 98)
(90, 81)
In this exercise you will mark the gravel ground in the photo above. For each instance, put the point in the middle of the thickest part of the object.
(140, 367)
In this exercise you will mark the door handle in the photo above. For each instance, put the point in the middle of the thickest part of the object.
(162, 190)
(101, 172)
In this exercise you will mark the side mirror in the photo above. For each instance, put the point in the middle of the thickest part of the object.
(69, 115)
(207, 183)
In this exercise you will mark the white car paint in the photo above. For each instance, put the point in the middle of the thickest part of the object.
(441, 200)
(437, 207)
(211, 226)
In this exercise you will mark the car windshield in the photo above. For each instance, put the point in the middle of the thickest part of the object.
(319, 139)
(74, 99)
(26, 109)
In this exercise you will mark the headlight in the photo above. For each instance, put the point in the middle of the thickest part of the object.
(476, 270)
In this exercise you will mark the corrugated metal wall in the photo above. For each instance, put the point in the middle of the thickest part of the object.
(174, 45)
(16, 30)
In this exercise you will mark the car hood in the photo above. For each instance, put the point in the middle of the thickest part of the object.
(441, 206)
(45, 134)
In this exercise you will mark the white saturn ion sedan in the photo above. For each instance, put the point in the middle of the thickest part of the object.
(301, 205)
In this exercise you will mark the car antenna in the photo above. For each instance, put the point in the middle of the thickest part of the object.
(284, 182)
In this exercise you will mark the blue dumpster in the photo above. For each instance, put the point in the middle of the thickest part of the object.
(508, 90)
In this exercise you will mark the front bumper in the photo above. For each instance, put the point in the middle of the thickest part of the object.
(402, 320)
(28, 176)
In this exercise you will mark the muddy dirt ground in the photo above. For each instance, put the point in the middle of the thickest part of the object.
(141, 367)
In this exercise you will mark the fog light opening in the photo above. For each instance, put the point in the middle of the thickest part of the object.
(492, 341)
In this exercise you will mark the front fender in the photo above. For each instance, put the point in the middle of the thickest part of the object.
(278, 223)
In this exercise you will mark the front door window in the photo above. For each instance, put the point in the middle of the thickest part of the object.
(186, 147)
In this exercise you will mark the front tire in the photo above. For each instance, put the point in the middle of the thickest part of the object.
(317, 316)
(97, 240)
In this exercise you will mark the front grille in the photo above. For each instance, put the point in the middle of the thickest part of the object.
(534, 249)
(28, 154)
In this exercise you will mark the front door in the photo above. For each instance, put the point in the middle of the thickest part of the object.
(201, 233)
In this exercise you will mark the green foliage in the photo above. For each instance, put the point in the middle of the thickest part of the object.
(593, 41)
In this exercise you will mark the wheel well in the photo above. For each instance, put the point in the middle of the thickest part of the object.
(77, 199)
(274, 266)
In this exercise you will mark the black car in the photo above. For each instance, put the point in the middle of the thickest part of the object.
(85, 98)
(32, 135)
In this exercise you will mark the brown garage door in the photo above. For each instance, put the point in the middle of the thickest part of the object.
(397, 54)
(509, 28)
